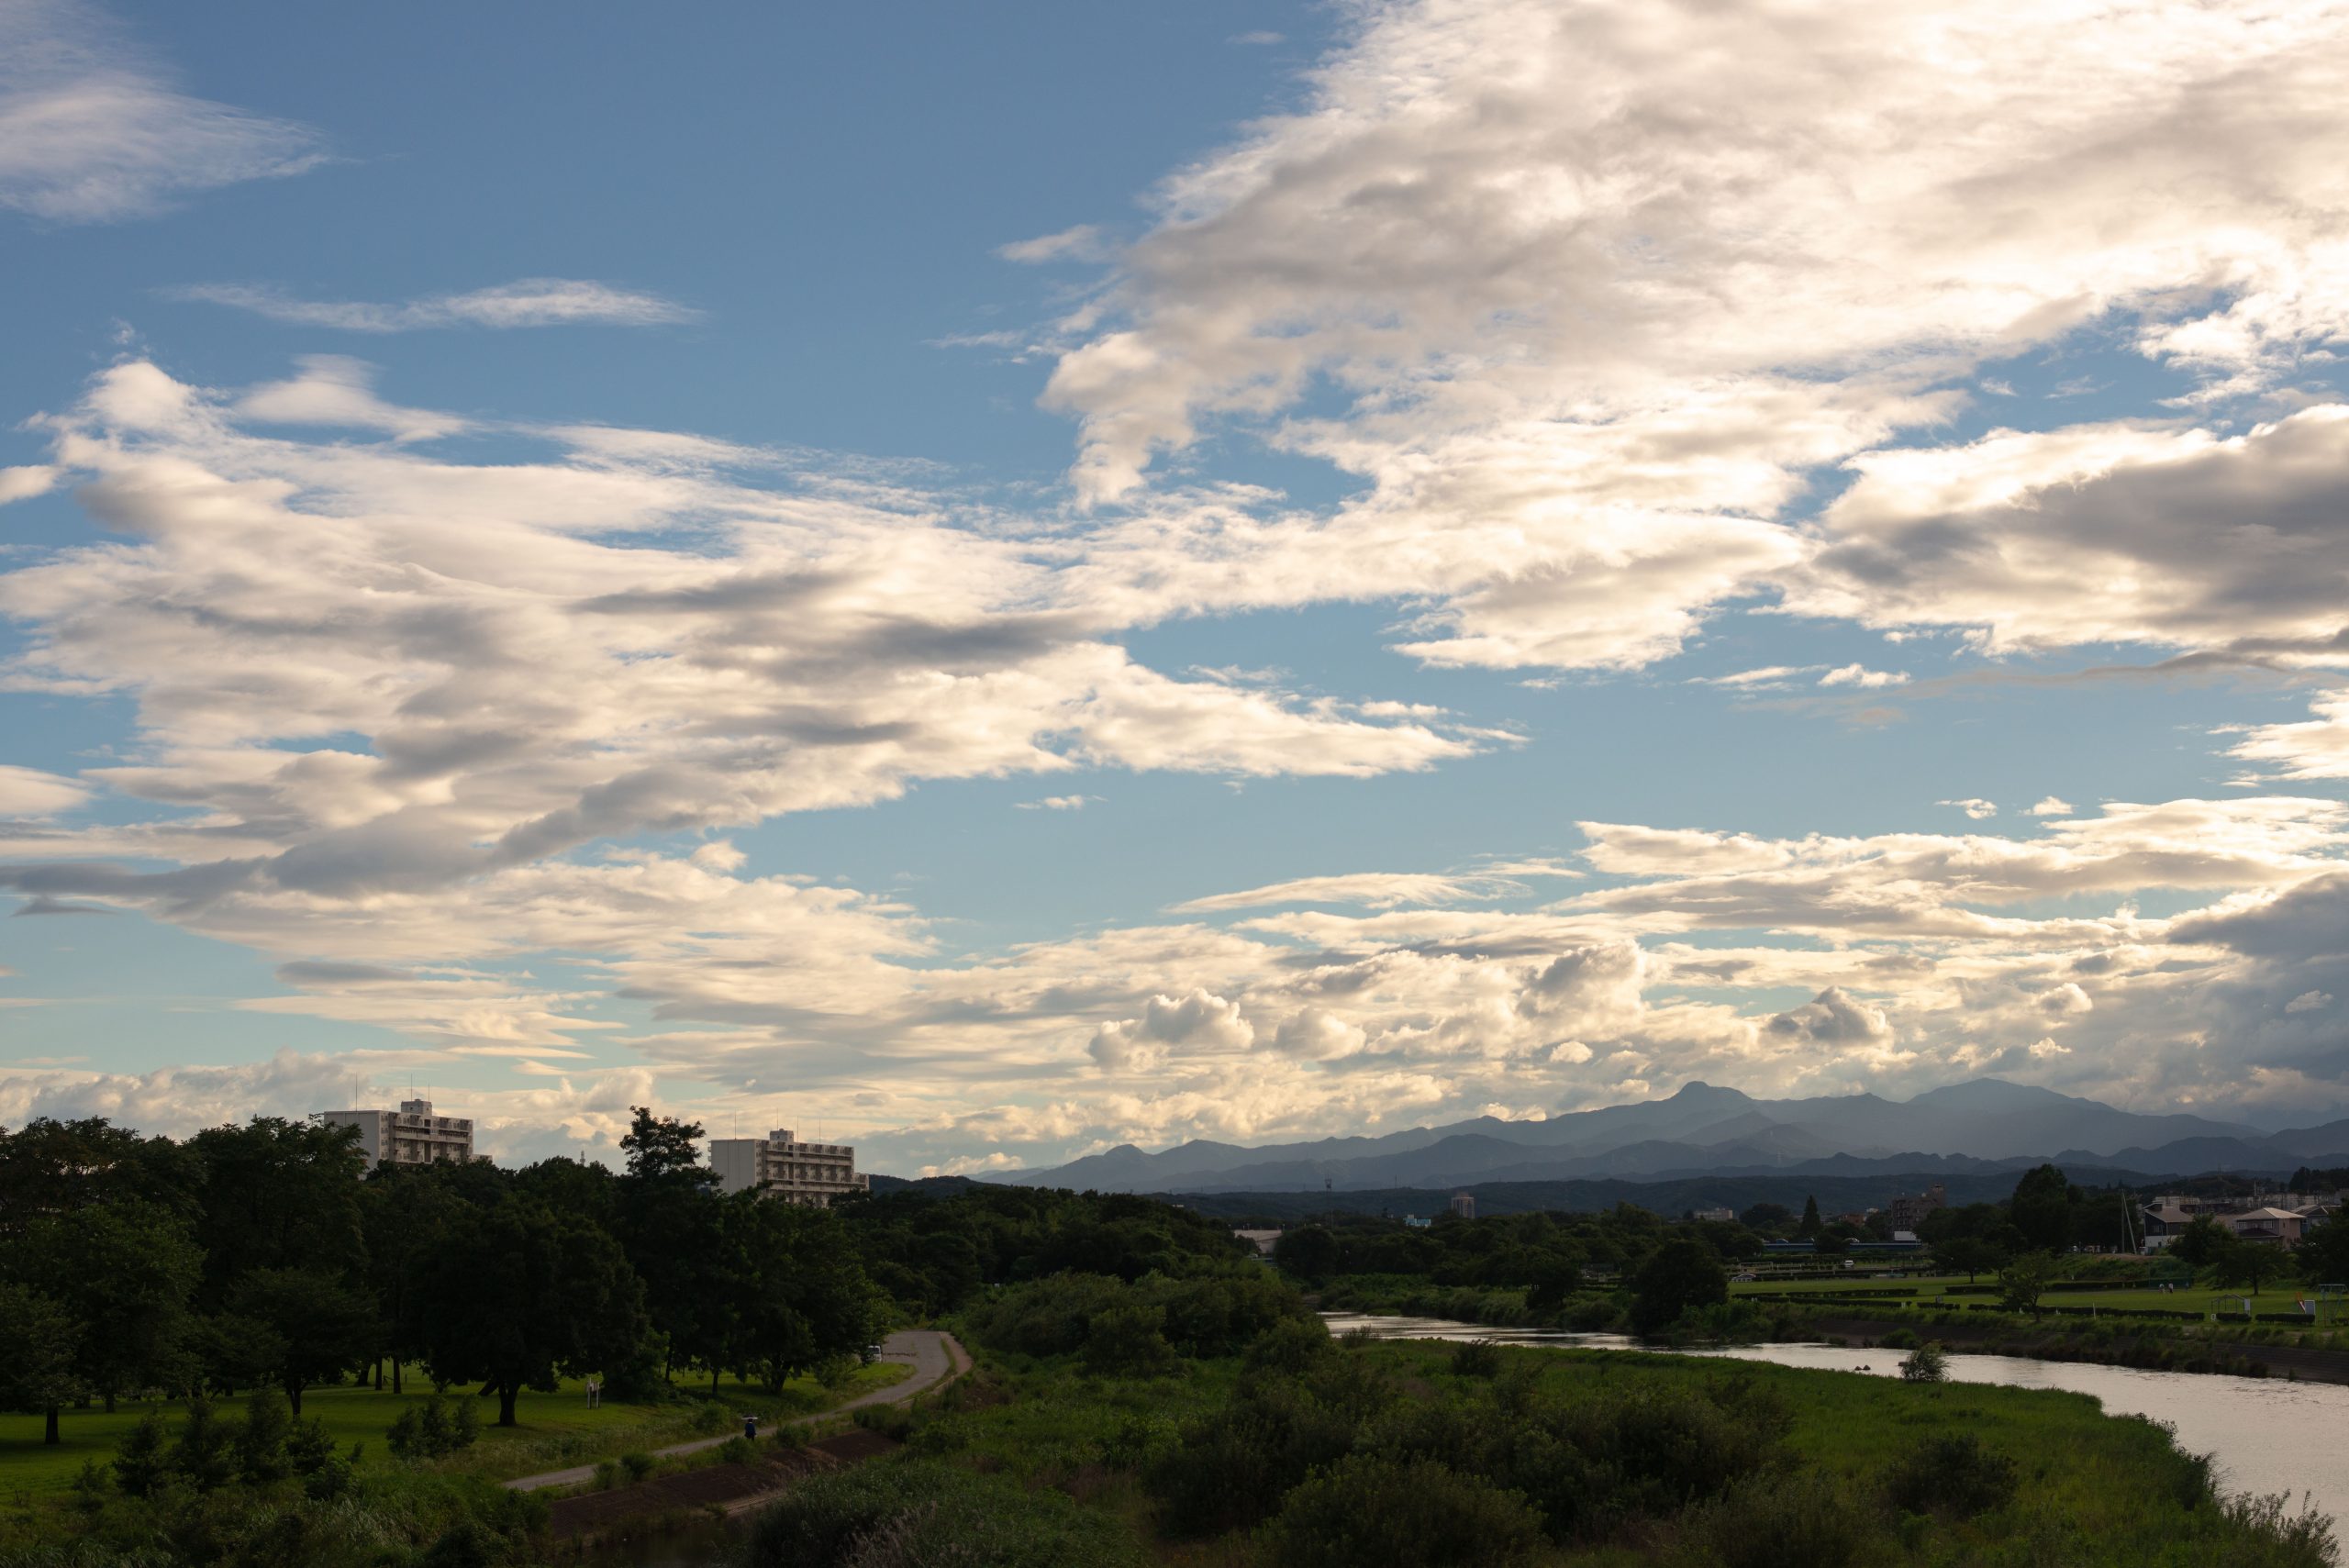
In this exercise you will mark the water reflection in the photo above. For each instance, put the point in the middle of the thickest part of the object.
(2265, 1434)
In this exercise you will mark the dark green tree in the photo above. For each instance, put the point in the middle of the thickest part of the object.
(519, 1296)
(671, 1230)
(260, 1441)
(205, 1453)
(278, 1195)
(2041, 1209)
(40, 1351)
(324, 1326)
(1309, 1252)
(2238, 1261)
(2198, 1245)
(142, 1460)
(1808, 1229)
(2024, 1280)
(124, 1271)
(1681, 1273)
(1969, 1255)
(2324, 1254)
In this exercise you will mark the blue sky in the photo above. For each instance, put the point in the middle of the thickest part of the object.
(1008, 581)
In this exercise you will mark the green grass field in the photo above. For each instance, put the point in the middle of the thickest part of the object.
(554, 1430)
(2275, 1296)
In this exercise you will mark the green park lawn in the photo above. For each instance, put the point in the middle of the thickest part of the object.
(2276, 1295)
(553, 1431)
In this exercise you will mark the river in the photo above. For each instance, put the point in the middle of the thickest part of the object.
(2264, 1434)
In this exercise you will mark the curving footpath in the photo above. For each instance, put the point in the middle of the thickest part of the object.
(936, 1360)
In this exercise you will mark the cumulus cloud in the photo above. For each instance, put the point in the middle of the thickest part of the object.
(1059, 803)
(1833, 1019)
(22, 484)
(1584, 294)
(528, 302)
(1198, 1022)
(1860, 675)
(92, 133)
(1980, 810)
(2049, 806)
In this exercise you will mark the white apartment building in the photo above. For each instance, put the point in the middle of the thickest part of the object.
(782, 1166)
(411, 1135)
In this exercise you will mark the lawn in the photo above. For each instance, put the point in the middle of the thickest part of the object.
(2274, 1296)
(554, 1430)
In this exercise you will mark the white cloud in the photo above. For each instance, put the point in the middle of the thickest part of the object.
(1980, 810)
(1083, 243)
(334, 390)
(2049, 806)
(1861, 676)
(1059, 803)
(24, 483)
(29, 792)
(91, 133)
(2309, 1002)
(529, 302)
(1380, 890)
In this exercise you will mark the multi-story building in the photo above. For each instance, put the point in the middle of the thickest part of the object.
(411, 1135)
(782, 1166)
(1909, 1211)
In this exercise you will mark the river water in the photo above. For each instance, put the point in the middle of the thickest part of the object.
(2264, 1434)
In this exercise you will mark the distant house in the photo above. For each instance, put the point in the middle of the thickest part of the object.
(2166, 1219)
(1263, 1240)
(1417, 1223)
(1724, 1215)
(2280, 1226)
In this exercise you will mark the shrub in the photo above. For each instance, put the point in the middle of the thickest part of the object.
(1414, 1514)
(926, 1514)
(736, 1449)
(1954, 1474)
(260, 1441)
(892, 1421)
(608, 1475)
(139, 1466)
(1775, 1521)
(639, 1465)
(1291, 1345)
(431, 1430)
(1476, 1358)
(1232, 1469)
(1926, 1363)
(1129, 1342)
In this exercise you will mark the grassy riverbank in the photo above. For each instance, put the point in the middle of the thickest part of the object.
(1414, 1455)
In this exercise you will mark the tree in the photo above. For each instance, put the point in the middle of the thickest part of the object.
(1768, 1218)
(260, 1441)
(2197, 1246)
(324, 1326)
(2041, 1209)
(142, 1460)
(2024, 1280)
(123, 1272)
(279, 1194)
(1680, 1275)
(206, 1451)
(233, 1352)
(1968, 1255)
(1808, 1229)
(1833, 1243)
(518, 1297)
(39, 1345)
(2323, 1254)
(1309, 1252)
(2239, 1261)
(671, 1230)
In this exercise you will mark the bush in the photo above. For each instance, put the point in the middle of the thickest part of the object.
(1926, 1363)
(1128, 1341)
(736, 1449)
(926, 1514)
(1775, 1521)
(1477, 1358)
(1232, 1469)
(1292, 1345)
(639, 1465)
(431, 1429)
(1954, 1474)
(1415, 1514)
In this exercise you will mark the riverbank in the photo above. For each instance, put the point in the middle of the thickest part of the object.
(1297, 1455)
(2113, 1343)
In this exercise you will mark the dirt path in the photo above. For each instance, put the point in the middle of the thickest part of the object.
(935, 1357)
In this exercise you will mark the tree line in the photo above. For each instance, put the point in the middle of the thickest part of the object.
(267, 1254)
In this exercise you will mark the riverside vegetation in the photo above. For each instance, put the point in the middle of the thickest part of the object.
(248, 1356)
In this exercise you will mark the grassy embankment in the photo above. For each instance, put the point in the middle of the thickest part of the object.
(556, 1430)
(1428, 1455)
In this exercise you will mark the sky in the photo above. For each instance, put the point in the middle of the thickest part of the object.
(991, 581)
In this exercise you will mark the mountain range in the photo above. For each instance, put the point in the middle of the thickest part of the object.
(1979, 1127)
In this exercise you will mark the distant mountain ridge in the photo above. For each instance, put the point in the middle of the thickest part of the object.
(1979, 1127)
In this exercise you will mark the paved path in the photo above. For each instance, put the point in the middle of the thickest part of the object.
(935, 1358)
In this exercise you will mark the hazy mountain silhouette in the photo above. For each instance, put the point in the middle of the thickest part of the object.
(1981, 1125)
